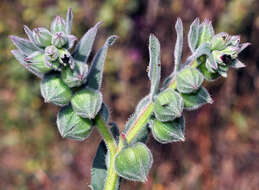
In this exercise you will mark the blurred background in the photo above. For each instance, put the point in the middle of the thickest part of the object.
(221, 150)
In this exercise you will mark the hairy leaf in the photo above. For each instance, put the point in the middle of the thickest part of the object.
(154, 64)
(69, 20)
(193, 34)
(94, 78)
(179, 44)
(84, 46)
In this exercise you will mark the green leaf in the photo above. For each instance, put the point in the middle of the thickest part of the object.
(178, 45)
(99, 169)
(195, 100)
(105, 112)
(154, 64)
(193, 34)
(20, 58)
(84, 46)
(205, 32)
(69, 20)
(203, 49)
(25, 46)
(95, 75)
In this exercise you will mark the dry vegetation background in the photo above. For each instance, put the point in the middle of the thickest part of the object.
(221, 151)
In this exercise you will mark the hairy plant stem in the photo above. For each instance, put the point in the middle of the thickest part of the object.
(103, 128)
(137, 126)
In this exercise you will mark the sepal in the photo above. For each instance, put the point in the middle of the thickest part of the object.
(197, 99)
(189, 80)
(58, 25)
(168, 105)
(72, 126)
(87, 102)
(134, 162)
(54, 90)
(167, 132)
(42, 36)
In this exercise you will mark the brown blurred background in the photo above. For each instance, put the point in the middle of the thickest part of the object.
(221, 150)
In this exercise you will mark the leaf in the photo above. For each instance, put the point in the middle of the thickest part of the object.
(154, 64)
(29, 33)
(205, 32)
(20, 58)
(69, 20)
(25, 46)
(179, 44)
(105, 112)
(99, 169)
(94, 78)
(84, 46)
(193, 34)
(195, 100)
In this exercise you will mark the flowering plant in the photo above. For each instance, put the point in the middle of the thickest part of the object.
(66, 81)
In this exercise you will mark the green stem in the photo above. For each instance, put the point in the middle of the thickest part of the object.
(112, 177)
(143, 118)
(137, 126)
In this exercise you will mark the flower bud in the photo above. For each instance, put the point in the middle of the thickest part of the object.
(54, 90)
(189, 80)
(66, 59)
(167, 132)
(134, 162)
(72, 126)
(36, 61)
(219, 41)
(42, 37)
(59, 39)
(58, 25)
(207, 74)
(51, 53)
(75, 77)
(87, 103)
(168, 105)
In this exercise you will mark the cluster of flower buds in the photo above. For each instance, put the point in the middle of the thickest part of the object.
(66, 79)
(223, 50)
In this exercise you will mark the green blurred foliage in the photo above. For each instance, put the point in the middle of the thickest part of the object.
(222, 142)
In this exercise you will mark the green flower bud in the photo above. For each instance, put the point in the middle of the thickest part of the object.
(219, 41)
(87, 103)
(51, 53)
(36, 61)
(42, 37)
(189, 80)
(66, 59)
(54, 90)
(75, 77)
(167, 132)
(58, 25)
(134, 162)
(72, 126)
(168, 105)
(59, 39)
